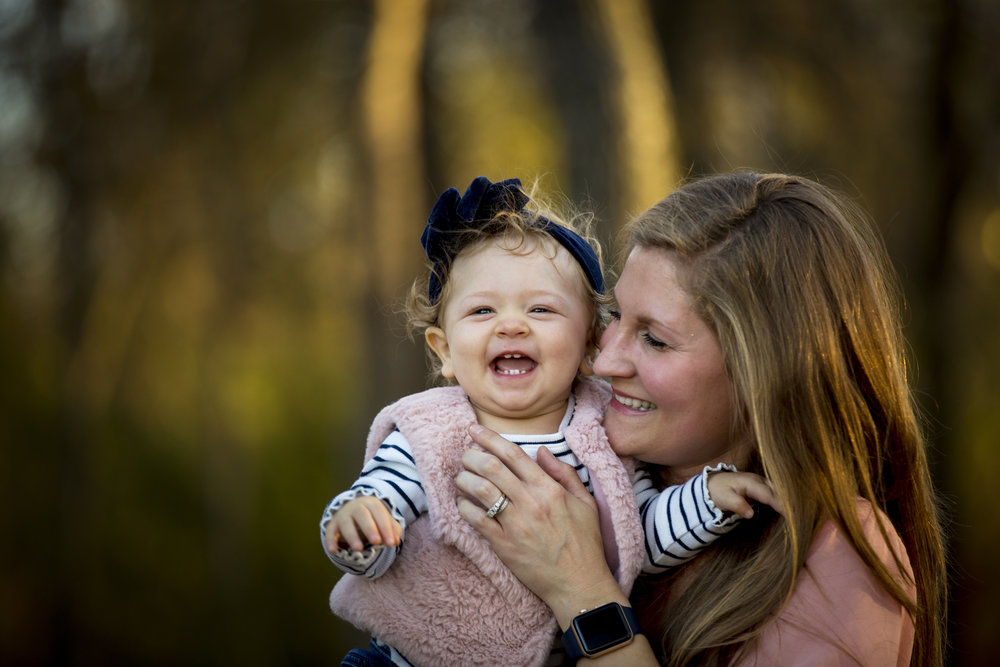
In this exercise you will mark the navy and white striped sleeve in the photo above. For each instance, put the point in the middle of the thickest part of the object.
(679, 521)
(391, 475)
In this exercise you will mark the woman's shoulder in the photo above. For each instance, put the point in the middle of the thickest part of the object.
(839, 612)
(833, 550)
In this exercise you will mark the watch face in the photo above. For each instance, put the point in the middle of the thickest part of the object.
(602, 628)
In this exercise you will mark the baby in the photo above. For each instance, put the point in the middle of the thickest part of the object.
(511, 311)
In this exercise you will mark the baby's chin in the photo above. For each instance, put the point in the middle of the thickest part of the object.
(515, 418)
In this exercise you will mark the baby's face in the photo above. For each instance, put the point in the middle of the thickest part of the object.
(514, 333)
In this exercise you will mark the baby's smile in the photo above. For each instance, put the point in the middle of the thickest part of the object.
(513, 364)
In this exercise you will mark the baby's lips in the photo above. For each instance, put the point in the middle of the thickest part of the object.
(513, 363)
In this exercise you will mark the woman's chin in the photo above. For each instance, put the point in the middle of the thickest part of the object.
(624, 437)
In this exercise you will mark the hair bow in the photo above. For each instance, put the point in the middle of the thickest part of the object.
(481, 202)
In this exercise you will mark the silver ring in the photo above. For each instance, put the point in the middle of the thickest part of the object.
(499, 506)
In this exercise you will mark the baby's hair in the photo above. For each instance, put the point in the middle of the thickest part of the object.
(512, 231)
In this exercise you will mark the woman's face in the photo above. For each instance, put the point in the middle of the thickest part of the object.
(672, 401)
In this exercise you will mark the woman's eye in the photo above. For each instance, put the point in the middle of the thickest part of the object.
(654, 343)
(615, 314)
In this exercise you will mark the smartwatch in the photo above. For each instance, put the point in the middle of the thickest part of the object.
(599, 631)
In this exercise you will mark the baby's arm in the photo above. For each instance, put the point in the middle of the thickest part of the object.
(682, 520)
(379, 505)
(369, 561)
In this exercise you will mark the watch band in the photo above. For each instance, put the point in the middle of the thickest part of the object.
(600, 630)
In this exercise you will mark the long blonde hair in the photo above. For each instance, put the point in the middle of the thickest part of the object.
(797, 286)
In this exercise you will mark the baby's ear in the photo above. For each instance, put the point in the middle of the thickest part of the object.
(587, 364)
(438, 341)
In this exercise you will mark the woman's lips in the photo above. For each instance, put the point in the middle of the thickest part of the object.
(633, 403)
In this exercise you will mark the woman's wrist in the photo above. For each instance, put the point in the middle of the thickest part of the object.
(600, 631)
(570, 602)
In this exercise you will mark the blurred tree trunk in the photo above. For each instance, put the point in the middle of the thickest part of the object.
(65, 151)
(611, 88)
(675, 29)
(644, 107)
(392, 191)
(948, 164)
(577, 64)
(937, 291)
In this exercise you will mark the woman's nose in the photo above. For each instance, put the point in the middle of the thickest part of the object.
(611, 359)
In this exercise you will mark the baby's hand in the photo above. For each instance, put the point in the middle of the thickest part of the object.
(730, 492)
(363, 521)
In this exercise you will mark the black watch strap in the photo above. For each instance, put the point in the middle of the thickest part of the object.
(600, 630)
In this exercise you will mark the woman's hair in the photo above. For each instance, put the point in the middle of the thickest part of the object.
(797, 286)
(520, 232)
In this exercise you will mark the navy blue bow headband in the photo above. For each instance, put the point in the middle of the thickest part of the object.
(477, 207)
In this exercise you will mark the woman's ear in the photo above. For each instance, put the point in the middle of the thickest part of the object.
(438, 341)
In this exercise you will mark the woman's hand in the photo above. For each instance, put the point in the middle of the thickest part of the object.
(549, 534)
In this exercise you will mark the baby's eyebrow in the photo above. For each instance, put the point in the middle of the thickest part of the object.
(529, 296)
(482, 294)
(547, 294)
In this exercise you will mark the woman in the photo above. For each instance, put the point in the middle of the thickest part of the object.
(756, 325)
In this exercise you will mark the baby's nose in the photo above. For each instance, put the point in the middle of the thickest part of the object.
(512, 325)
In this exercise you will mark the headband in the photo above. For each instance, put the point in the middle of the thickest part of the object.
(481, 202)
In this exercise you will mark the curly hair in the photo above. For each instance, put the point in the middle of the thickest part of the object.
(520, 232)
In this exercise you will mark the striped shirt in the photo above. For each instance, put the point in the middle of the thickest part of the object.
(678, 522)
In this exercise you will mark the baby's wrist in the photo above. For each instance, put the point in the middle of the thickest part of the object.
(708, 471)
(722, 515)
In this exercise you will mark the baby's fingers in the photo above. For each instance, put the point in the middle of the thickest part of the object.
(344, 533)
(762, 491)
(388, 529)
(729, 501)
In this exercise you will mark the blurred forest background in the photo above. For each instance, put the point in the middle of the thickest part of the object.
(208, 211)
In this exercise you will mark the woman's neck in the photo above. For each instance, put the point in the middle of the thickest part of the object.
(738, 455)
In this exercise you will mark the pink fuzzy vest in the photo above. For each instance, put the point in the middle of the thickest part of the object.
(448, 599)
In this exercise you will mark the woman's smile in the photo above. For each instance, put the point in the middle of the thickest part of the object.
(621, 402)
(672, 402)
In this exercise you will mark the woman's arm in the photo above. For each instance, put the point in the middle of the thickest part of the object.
(548, 535)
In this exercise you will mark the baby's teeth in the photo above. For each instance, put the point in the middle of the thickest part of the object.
(512, 371)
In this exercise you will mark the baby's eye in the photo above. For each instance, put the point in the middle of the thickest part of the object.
(541, 309)
(482, 310)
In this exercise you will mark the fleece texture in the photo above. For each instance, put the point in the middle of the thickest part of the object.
(448, 599)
